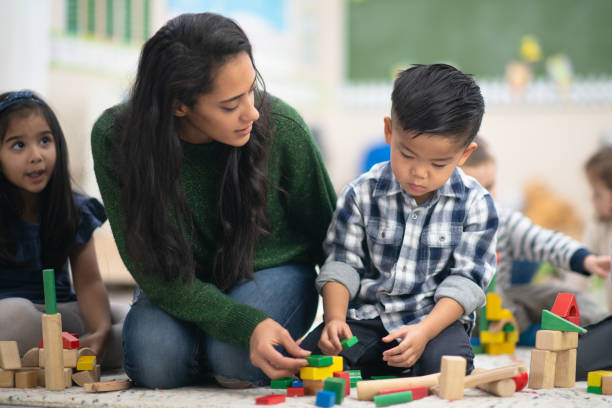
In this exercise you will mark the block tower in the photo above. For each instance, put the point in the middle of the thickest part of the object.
(497, 326)
(553, 361)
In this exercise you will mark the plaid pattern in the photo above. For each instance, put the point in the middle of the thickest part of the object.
(403, 252)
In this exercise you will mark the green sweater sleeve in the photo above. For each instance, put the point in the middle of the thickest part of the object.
(200, 302)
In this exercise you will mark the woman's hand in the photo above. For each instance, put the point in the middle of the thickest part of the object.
(264, 338)
(329, 343)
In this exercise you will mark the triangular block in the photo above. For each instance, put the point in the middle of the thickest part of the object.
(566, 307)
(551, 321)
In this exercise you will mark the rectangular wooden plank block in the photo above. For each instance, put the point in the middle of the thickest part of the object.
(9, 355)
(452, 376)
(542, 369)
(565, 368)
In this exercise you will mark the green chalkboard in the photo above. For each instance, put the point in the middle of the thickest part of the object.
(478, 36)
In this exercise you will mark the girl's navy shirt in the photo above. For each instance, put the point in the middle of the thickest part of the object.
(26, 282)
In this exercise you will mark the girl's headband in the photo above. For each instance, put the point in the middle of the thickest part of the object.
(16, 97)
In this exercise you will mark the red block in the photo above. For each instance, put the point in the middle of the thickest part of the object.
(347, 382)
(521, 381)
(417, 392)
(270, 399)
(40, 345)
(295, 391)
(565, 306)
(69, 341)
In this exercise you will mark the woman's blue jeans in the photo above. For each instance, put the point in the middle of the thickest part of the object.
(164, 352)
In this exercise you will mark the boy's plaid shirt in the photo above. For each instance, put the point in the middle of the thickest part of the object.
(406, 257)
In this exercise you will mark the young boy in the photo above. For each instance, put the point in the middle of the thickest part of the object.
(411, 246)
(520, 239)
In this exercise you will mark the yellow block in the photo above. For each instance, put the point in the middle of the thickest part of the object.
(488, 337)
(499, 348)
(337, 365)
(506, 314)
(316, 373)
(594, 377)
(86, 363)
(494, 307)
(512, 337)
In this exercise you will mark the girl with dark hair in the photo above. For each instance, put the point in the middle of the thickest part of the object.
(219, 202)
(43, 224)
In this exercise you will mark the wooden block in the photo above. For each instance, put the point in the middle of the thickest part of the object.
(347, 383)
(69, 356)
(337, 365)
(501, 388)
(96, 372)
(367, 389)
(542, 369)
(84, 377)
(311, 387)
(499, 348)
(488, 338)
(452, 375)
(337, 386)
(565, 306)
(570, 340)
(41, 377)
(348, 343)
(417, 392)
(495, 374)
(317, 360)
(295, 392)
(565, 368)
(105, 386)
(512, 337)
(68, 377)
(551, 340)
(384, 400)
(69, 341)
(594, 377)
(594, 390)
(494, 307)
(606, 384)
(26, 379)
(87, 363)
(278, 383)
(30, 358)
(53, 360)
(551, 321)
(9, 355)
(7, 378)
(316, 373)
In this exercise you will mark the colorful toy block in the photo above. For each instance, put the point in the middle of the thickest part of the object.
(385, 400)
(311, 387)
(295, 392)
(347, 381)
(336, 385)
(270, 399)
(499, 348)
(297, 384)
(355, 377)
(494, 307)
(487, 337)
(417, 392)
(565, 306)
(87, 363)
(281, 383)
(69, 341)
(594, 390)
(315, 373)
(382, 377)
(594, 377)
(347, 343)
(316, 360)
(551, 321)
(512, 337)
(325, 399)
(337, 365)
(520, 381)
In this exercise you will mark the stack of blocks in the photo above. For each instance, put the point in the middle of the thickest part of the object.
(498, 329)
(553, 362)
(599, 382)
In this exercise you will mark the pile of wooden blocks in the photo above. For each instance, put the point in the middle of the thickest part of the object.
(553, 361)
(498, 329)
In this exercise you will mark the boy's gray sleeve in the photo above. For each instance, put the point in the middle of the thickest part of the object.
(343, 245)
(474, 257)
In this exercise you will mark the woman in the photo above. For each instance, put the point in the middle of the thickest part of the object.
(219, 201)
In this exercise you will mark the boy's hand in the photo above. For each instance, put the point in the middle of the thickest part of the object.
(409, 350)
(329, 343)
(597, 265)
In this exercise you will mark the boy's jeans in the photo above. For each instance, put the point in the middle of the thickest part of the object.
(164, 352)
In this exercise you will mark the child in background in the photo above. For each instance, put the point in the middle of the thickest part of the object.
(598, 233)
(519, 239)
(411, 247)
(43, 224)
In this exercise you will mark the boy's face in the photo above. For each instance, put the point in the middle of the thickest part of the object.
(485, 174)
(424, 163)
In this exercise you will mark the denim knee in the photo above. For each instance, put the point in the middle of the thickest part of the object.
(233, 363)
(159, 350)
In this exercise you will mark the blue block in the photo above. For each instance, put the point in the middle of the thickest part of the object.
(475, 341)
(325, 399)
(297, 384)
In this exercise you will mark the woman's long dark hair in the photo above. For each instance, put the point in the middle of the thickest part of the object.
(178, 64)
(58, 213)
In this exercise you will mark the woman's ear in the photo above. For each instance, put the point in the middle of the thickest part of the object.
(179, 109)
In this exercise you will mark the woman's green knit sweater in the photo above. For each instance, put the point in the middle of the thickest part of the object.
(298, 216)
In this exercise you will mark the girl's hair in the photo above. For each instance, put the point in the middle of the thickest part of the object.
(599, 165)
(57, 210)
(178, 64)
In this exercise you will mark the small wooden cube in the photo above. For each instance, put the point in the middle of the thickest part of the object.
(542, 369)
(7, 378)
(26, 379)
(606, 384)
(9, 355)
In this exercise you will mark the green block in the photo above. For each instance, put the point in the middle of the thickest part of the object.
(392, 399)
(491, 287)
(382, 377)
(354, 373)
(508, 328)
(317, 360)
(478, 349)
(49, 288)
(347, 343)
(483, 323)
(551, 321)
(594, 390)
(354, 381)
(336, 385)
(281, 383)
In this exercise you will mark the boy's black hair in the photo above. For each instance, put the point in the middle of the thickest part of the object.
(439, 99)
